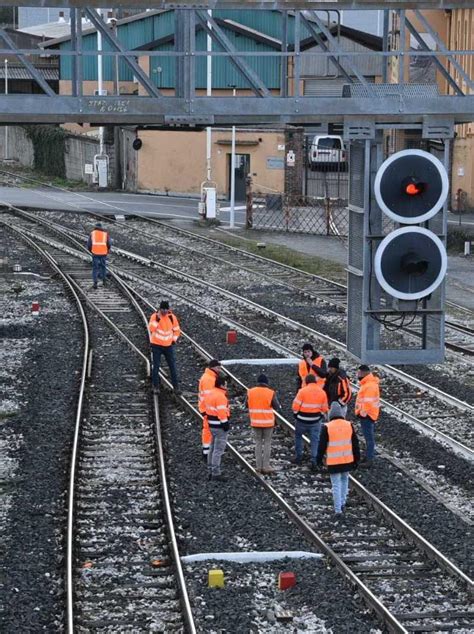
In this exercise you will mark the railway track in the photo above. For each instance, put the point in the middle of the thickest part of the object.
(399, 574)
(123, 566)
(402, 577)
(460, 337)
(443, 417)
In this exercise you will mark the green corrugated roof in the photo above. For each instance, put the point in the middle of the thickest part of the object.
(146, 29)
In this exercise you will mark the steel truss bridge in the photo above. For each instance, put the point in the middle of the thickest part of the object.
(363, 106)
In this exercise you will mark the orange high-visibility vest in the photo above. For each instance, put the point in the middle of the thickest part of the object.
(163, 330)
(368, 397)
(311, 401)
(303, 369)
(217, 407)
(339, 449)
(259, 401)
(206, 383)
(99, 242)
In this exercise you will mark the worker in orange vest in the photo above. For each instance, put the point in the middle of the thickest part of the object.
(261, 401)
(337, 385)
(217, 410)
(206, 383)
(340, 444)
(311, 363)
(309, 408)
(164, 333)
(367, 408)
(99, 244)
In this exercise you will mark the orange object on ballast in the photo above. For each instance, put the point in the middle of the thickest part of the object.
(231, 336)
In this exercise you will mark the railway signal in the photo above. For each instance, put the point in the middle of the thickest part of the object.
(410, 188)
(396, 277)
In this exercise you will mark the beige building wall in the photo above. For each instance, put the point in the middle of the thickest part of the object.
(461, 37)
(176, 161)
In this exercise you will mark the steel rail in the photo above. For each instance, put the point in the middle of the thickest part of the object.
(77, 425)
(184, 597)
(421, 426)
(375, 502)
(339, 288)
(447, 398)
(424, 428)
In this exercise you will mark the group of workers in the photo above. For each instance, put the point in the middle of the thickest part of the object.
(319, 407)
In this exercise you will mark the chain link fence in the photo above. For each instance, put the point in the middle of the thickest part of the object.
(301, 214)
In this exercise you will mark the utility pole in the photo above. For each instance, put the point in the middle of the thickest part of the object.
(232, 171)
(209, 93)
(6, 127)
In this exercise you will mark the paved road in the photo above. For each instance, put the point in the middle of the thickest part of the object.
(111, 203)
(460, 284)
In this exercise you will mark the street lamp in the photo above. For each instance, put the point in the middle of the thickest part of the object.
(6, 127)
(232, 170)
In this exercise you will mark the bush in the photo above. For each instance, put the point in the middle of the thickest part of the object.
(49, 145)
(457, 236)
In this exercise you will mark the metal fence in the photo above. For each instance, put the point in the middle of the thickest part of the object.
(301, 214)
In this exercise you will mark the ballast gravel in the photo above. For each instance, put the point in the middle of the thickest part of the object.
(433, 520)
(37, 422)
(238, 516)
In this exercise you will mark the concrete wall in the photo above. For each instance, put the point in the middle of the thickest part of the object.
(176, 161)
(79, 151)
(20, 147)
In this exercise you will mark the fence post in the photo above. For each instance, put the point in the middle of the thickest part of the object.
(327, 204)
(249, 203)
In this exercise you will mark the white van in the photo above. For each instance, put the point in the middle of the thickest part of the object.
(327, 150)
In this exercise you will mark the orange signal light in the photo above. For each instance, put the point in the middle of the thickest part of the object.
(413, 189)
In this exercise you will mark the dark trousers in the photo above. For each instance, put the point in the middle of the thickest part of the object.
(168, 352)
(368, 429)
(99, 267)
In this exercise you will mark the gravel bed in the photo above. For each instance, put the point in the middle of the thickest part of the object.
(238, 516)
(41, 359)
(455, 376)
(444, 529)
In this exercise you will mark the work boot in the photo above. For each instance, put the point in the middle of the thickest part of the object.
(269, 471)
(366, 464)
(94, 285)
(296, 461)
(219, 478)
(104, 282)
(314, 468)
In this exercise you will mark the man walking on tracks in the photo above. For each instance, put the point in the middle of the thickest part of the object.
(367, 408)
(164, 332)
(218, 413)
(207, 382)
(99, 245)
(340, 444)
(261, 401)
